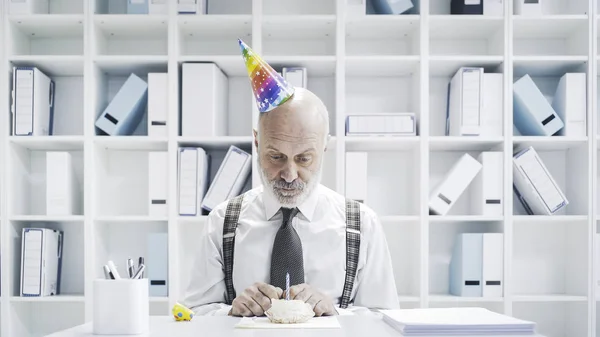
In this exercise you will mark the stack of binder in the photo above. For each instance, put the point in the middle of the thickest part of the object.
(534, 186)
(565, 115)
(195, 192)
(476, 266)
(456, 321)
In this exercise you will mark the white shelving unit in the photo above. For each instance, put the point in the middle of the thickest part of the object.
(366, 64)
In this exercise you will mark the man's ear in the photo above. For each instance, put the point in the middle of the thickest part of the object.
(327, 142)
(255, 137)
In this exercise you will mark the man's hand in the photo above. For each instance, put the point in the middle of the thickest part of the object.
(255, 300)
(322, 304)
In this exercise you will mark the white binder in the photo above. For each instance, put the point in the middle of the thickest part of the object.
(493, 105)
(534, 186)
(41, 260)
(570, 104)
(193, 179)
(158, 167)
(157, 264)
(465, 274)
(296, 76)
(528, 7)
(465, 99)
(28, 7)
(192, 6)
(493, 265)
(158, 7)
(456, 181)
(204, 100)
(356, 176)
(61, 184)
(158, 105)
(230, 178)
(32, 102)
(493, 7)
(486, 197)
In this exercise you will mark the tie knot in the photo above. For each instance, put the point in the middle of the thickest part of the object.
(288, 213)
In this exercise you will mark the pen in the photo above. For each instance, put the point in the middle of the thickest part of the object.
(113, 270)
(139, 273)
(107, 274)
(140, 263)
(130, 268)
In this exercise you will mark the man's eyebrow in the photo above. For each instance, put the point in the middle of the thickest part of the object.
(272, 147)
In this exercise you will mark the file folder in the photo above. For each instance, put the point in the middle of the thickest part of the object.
(32, 102)
(61, 184)
(192, 6)
(158, 167)
(570, 102)
(230, 178)
(444, 196)
(158, 105)
(391, 7)
(157, 264)
(28, 7)
(204, 100)
(41, 261)
(465, 265)
(486, 197)
(493, 105)
(493, 265)
(296, 76)
(465, 99)
(158, 7)
(126, 110)
(356, 176)
(493, 7)
(137, 6)
(193, 179)
(534, 186)
(466, 7)
(533, 114)
(528, 7)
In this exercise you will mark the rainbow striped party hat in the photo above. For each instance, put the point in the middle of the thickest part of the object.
(270, 89)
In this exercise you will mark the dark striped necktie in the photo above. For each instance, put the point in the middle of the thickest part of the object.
(287, 253)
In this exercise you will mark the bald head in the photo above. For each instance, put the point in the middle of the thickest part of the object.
(291, 140)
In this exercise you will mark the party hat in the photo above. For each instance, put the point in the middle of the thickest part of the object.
(270, 89)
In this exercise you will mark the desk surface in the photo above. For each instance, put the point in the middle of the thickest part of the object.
(352, 326)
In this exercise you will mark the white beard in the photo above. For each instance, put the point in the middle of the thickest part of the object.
(294, 200)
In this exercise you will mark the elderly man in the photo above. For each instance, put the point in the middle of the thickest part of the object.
(334, 250)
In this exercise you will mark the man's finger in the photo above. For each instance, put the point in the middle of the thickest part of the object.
(253, 307)
(268, 290)
(304, 295)
(295, 290)
(313, 300)
(239, 309)
(319, 309)
(263, 301)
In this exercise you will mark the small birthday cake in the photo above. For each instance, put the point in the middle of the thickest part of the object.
(289, 311)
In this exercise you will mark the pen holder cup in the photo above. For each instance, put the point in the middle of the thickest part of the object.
(121, 307)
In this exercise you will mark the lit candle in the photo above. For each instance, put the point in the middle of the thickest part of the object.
(287, 286)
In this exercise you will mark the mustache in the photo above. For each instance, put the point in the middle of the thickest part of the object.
(296, 184)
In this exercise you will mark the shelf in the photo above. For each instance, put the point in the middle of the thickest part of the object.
(443, 298)
(52, 65)
(533, 219)
(132, 25)
(381, 65)
(49, 25)
(47, 218)
(191, 219)
(547, 65)
(548, 298)
(381, 143)
(132, 219)
(132, 143)
(464, 26)
(464, 143)
(399, 218)
(463, 218)
(49, 143)
(446, 66)
(49, 299)
(316, 65)
(127, 64)
(549, 143)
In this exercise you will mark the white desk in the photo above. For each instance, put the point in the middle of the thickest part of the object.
(160, 326)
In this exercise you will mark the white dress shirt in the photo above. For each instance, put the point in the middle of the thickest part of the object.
(321, 225)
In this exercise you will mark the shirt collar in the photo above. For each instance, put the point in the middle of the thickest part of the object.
(307, 208)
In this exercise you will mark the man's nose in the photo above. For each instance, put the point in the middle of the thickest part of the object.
(289, 173)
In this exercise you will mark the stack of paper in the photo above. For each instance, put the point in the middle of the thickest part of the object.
(455, 321)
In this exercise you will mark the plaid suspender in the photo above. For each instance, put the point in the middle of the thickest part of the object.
(232, 214)
(352, 248)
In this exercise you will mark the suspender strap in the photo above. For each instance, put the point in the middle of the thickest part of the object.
(352, 248)
(232, 214)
